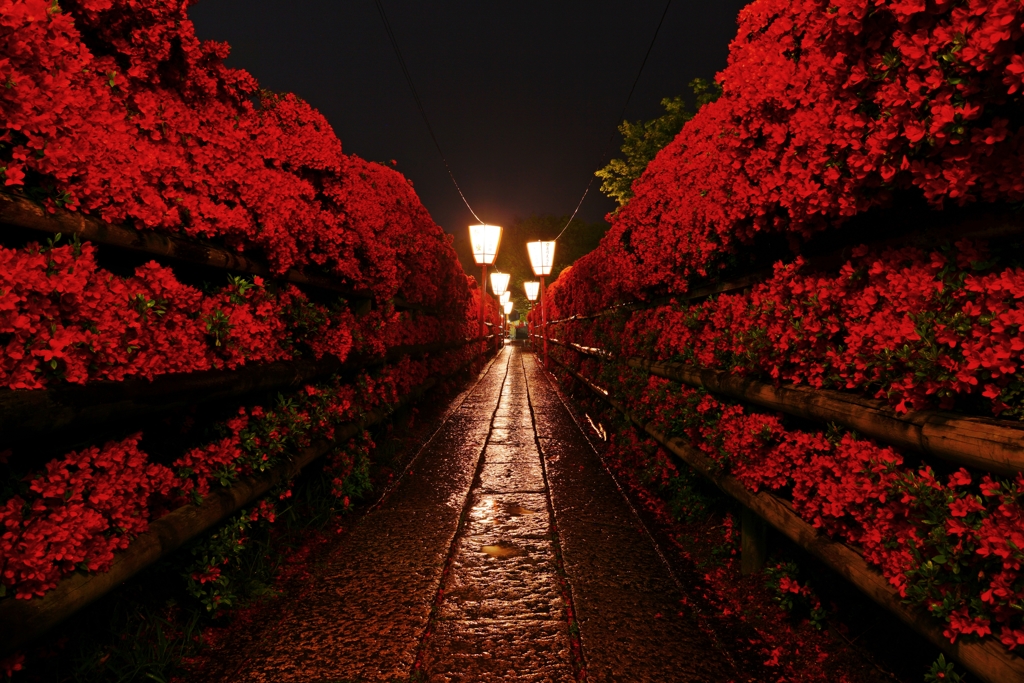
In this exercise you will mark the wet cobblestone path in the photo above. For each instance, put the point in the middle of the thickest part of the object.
(504, 525)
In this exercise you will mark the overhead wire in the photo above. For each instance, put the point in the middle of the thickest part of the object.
(622, 116)
(419, 103)
(433, 136)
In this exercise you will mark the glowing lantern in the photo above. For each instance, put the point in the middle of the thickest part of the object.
(532, 290)
(485, 240)
(499, 283)
(508, 307)
(542, 257)
(506, 296)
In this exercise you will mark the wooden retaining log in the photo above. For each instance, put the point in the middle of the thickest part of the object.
(23, 620)
(986, 659)
(21, 212)
(90, 406)
(994, 227)
(984, 443)
(24, 213)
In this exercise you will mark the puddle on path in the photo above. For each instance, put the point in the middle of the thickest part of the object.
(516, 510)
(503, 549)
(489, 511)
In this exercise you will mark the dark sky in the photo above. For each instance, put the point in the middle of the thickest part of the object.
(523, 95)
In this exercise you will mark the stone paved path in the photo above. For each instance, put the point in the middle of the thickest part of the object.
(504, 525)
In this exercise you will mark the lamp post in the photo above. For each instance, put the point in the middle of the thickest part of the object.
(499, 285)
(508, 309)
(485, 240)
(542, 257)
(532, 291)
(505, 301)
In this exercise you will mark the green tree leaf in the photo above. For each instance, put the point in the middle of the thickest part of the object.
(644, 139)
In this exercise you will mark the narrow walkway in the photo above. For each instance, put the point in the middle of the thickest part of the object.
(504, 526)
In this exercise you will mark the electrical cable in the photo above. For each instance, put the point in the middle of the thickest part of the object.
(622, 115)
(419, 103)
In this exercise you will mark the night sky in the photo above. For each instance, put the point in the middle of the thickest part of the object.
(523, 96)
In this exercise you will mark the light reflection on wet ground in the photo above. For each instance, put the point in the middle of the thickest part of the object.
(484, 599)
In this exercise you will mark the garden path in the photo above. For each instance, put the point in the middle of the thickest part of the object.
(505, 552)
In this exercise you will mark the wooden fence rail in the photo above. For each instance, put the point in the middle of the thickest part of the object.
(988, 659)
(23, 620)
(984, 443)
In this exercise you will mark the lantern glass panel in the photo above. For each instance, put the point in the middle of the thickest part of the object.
(542, 256)
(506, 296)
(499, 283)
(485, 240)
(508, 307)
(532, 290)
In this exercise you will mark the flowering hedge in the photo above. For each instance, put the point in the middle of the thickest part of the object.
(114, 107)
(63, 318)
(80, 509)
(952, 544)
(920, 328)
(829, 108)
(773, 618)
